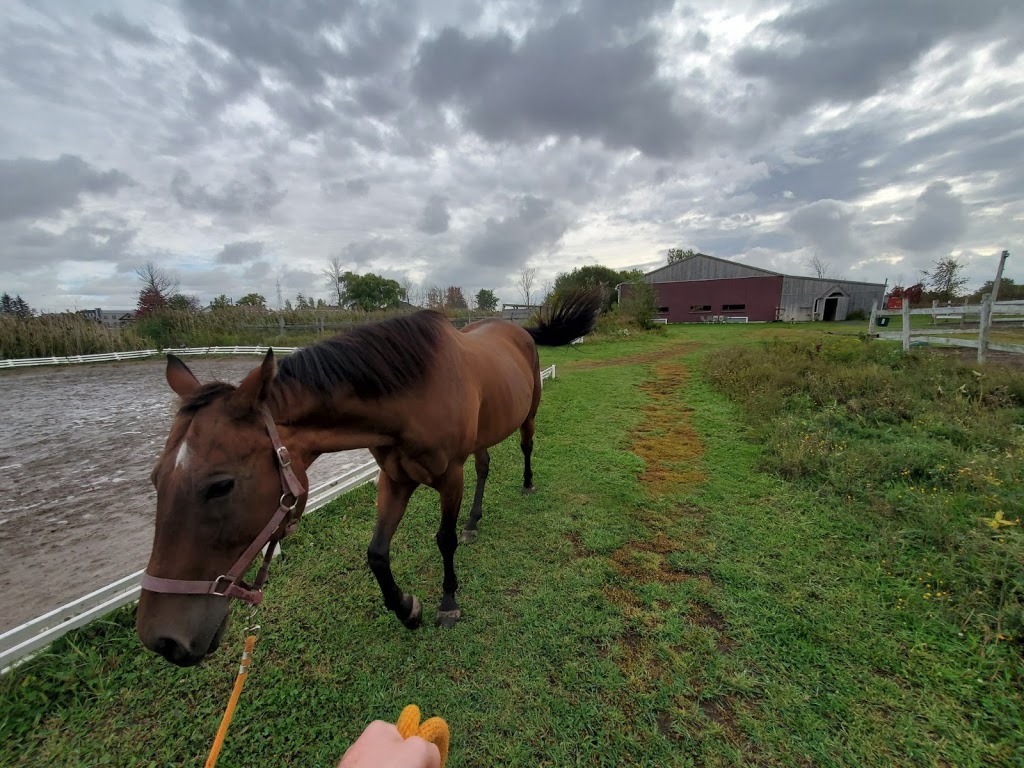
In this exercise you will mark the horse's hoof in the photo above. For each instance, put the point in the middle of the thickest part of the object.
(469, 536)
(415, 617)
(448, 619)
(529, 489)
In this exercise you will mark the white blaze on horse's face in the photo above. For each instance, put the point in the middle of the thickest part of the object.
(181, 461)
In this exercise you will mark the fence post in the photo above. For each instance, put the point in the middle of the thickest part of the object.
(871, 320)
(935, 314)
(906, 324)
(986, 319)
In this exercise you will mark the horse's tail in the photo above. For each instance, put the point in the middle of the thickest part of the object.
(569, 316)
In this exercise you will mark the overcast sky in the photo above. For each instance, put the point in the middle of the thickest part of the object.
(456, 141)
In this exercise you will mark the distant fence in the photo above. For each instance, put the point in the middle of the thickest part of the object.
(110, 357)
(18, 643)
(1010, 310)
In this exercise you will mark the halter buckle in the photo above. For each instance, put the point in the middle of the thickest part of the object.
(216, 583)
(283, 457)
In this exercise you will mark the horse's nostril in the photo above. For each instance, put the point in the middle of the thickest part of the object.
(169, 648)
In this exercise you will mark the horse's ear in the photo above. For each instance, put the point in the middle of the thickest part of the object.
(254, 388)
(180, 378)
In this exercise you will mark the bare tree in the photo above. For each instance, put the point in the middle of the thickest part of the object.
(946, 278)
(821, 268)
(335, 278)
(156, 280)
(527, 278)
(407, 284)
(546, 290)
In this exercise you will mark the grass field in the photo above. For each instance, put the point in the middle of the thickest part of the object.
(744, 550)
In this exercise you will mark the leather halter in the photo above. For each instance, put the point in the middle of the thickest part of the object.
(281, 524)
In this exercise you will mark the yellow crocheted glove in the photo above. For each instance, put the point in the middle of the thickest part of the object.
(434, 730)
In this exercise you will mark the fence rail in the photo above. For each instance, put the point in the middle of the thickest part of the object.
(920, 336)
(26, 639)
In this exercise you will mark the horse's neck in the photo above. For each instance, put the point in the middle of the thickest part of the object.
(316, 425)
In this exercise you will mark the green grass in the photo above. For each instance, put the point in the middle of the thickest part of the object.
(747, 619)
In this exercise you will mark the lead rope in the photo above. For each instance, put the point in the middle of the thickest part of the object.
(252, 632)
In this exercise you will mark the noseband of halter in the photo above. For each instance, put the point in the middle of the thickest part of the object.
(281, 524)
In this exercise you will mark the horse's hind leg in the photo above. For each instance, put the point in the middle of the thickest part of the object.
(450, 487)
(526, 443)
(392, 499)
(482, 460)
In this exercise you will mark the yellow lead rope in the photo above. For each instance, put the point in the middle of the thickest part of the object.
(243, 672)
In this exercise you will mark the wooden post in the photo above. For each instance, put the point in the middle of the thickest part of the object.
(871, 320)
(906, 324)
(986, 319)
(935, 313)
(999, 275)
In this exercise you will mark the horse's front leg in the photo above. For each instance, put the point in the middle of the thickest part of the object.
(392, 499)
(450, 487)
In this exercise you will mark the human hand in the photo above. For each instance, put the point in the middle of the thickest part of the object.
(381, 746)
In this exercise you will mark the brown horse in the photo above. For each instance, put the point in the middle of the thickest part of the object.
(419, 394)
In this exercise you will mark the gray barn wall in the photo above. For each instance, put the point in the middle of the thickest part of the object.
(799, 294)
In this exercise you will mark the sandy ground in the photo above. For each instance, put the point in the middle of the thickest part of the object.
(77, 444)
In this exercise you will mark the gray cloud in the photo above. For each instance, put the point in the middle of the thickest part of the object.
(32, 188)
(570, 79)
(837, 51)
(435, 218)
(827, 226)
(93, 239)
(506, 244)
(256, 196)
(116, 24)
(240, 252)
(939, 219)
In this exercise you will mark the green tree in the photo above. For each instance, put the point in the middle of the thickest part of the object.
(678, 254)
(221, 302)
(641, 304)
(6, 304)
(252, 300)
(21, 308)
(184, 302)
(369, 292)
(1008, 291)
(486, 300)
(591, 276)
(947, 279)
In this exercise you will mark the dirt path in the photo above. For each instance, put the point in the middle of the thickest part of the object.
(77, 445)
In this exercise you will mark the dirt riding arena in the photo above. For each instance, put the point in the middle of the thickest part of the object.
(77, 444)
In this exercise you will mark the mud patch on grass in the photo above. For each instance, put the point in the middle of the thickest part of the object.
(666, 441)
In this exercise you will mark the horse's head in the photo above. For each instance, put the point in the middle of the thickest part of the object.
(219, 487)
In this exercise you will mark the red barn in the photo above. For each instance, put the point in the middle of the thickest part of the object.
(704, 288)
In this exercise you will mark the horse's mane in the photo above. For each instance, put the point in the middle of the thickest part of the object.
(375, 360)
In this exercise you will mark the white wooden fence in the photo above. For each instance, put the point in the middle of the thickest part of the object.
(1012, 310)
(109, 357)
(19, 643)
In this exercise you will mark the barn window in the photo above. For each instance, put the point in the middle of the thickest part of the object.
(733, 307)
(700, 308)
(663, 309)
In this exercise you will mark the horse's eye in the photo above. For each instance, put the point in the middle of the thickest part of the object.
(219, 488)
